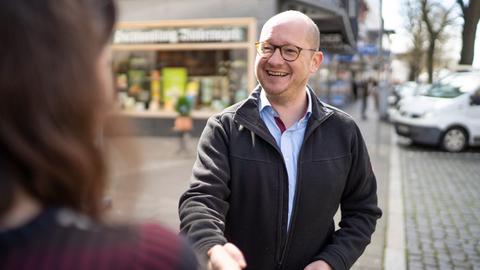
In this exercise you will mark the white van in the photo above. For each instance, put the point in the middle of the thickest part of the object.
(447, 114)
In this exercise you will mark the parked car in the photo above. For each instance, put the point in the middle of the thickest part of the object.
(406, 89)
(446, 114)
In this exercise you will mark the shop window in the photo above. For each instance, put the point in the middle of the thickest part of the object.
(154, 80)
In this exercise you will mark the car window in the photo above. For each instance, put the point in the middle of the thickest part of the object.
(454, 85)
(443, 91)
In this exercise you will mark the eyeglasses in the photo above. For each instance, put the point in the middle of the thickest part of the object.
(289, 53)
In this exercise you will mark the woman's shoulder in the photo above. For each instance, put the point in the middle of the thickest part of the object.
(80, 243)
(144, 245)
(160, 248)
(149, 246)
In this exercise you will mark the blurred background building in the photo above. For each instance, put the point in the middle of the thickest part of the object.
(204, 50)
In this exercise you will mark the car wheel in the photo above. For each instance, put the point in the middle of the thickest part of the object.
(454, 140)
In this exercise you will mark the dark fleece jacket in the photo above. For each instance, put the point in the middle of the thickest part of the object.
(239, 190)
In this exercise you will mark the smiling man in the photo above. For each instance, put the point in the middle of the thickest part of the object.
(272, 170)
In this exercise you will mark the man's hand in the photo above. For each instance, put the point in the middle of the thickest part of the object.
(226, 257)
(318, 265)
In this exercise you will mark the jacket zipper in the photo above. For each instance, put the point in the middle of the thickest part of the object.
(265, 136)
(297, 191)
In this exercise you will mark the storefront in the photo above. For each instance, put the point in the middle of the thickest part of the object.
(208, 61)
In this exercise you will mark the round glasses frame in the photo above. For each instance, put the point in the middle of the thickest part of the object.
(284, 49)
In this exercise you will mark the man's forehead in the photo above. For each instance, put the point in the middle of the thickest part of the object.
(285, 19)
(280, 25)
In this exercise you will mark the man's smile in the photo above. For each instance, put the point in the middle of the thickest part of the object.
(277, 73)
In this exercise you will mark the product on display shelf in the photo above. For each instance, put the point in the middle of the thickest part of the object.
(206, 91)
(136, 78)
(154, 90)
(191, 93)
(174, 82)
(121, 82)
(224, 91)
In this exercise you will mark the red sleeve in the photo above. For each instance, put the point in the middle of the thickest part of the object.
(159, 248)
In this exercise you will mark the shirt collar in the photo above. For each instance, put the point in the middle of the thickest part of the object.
(265, 103)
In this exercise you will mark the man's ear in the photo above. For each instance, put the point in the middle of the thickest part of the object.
(316, 61)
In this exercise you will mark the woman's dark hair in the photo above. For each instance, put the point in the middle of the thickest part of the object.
(51, 101)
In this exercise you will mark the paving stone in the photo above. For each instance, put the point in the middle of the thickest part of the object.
(469, 247)
(432, 262)
(414, 249)
(444, 259)
(461, 264)
(458, 256)
(461, 268)
(445, 267)
(437, 244)
(476, 264)
(473, 257)
(415, 265)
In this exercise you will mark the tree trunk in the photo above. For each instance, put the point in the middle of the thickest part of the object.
(414, 70)
(430, 54)
(411, 74)
(471, 18)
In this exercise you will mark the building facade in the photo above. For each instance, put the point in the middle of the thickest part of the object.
(165, 49)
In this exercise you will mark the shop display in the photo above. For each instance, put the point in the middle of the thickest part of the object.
(207, 91)
(207, 61)
(192, 91)
(153, 81)
(174, 83)
(155, 89)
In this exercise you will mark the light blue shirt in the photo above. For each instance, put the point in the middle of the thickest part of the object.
(289, 142)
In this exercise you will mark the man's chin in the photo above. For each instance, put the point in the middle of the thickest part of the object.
(273, 91)
(274, 87)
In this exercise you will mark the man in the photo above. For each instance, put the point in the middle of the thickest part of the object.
(272, 170)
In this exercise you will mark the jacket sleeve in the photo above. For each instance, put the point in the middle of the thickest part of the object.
(358, 208)
(204, 206)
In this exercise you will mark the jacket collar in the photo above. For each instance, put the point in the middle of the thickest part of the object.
(249, 112)
(264, 102)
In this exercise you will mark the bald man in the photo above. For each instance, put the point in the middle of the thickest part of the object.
(273, 169)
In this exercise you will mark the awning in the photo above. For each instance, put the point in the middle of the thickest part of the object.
(337, 30)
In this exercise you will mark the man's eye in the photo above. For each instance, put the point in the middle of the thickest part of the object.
(288, 50)
(267, 49)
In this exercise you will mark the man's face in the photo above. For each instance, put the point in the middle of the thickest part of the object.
(277, 76)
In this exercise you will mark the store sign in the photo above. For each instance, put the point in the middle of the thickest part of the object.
(368, 49)
(331, 41)
(180, 35)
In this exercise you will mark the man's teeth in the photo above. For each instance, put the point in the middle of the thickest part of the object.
(276, 73)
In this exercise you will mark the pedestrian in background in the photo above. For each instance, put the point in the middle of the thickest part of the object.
(55, 93)
(354, 85)
(272, 170)
(363, 87)
(373, 90)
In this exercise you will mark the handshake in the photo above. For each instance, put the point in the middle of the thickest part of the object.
(226, 257)
(229, 257)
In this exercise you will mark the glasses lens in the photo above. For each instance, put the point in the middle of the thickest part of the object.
(264, 49)
(290, 52)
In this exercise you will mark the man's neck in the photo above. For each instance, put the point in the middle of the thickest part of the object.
(291, 108)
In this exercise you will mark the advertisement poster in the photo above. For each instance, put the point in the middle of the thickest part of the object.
(174, 83)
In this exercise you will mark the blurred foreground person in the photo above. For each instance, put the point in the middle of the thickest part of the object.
(55, 93)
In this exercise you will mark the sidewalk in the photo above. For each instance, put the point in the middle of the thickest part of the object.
(377, 137)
